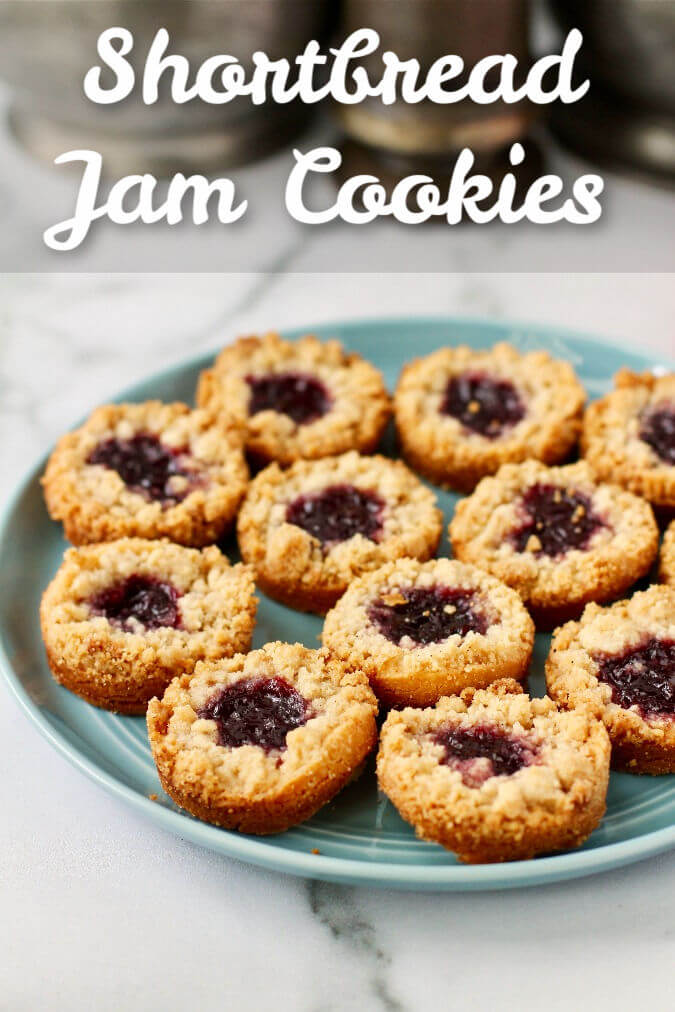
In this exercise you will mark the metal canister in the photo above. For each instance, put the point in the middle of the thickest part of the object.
(627, 119)
(401, 138)
(47, 46)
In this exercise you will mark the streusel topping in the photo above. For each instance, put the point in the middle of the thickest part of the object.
(149, 470)
(629, 435)
(298, 399)
(311, 529)
(462, 413)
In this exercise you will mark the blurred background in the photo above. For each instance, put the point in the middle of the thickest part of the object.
(625, 126)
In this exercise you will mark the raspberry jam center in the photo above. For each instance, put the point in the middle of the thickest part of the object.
(556, 520)
(482, 752)
(428, 614)
(642, 677)
(658, 431)
(145, 599)
(337, 514)
(145, 465)
(483, 404)
(303, 398)
(256, 711)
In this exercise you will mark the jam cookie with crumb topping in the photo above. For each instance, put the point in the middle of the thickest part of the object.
(260, 742)
(300, 399)
(667, 559)
(556, 536)
(620, 662)
(421, 630)
(310, 530)
(147, 470)
(629, 436)
(461, 414)
(494, 775)
(121, 619)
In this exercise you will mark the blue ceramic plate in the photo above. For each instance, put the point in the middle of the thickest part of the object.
(359, 837)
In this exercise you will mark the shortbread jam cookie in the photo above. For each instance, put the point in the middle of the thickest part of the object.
(421, 630)
(121, 619)
(300, 399)
(667, 558)
(310, 530)
(629, 436)
(461, 413)
(620, 661)
(149, 470)
(556, 536)
(260, 742)
(494, 775)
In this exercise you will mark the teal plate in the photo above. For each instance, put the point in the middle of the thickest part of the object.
(359, 837)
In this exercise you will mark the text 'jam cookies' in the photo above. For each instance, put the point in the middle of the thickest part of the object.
(121, 619)
(557, 536)
(461, 414)
(420, 630)
(147, 470)
(299, 399)
(629, 436)
(310, 530)
(260, 742)
(494, 775)
(620, 662)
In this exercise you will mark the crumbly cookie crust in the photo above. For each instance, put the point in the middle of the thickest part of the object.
(360, 405)
(443, 450)
(639, 744)
(94, 502)
(556, 589)
(293, 566)
(410, 674)
(121, 670)
(246, 788)
(553, 804)
(667, 558)
(611, 443)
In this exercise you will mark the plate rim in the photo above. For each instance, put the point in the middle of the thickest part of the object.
(384, 874)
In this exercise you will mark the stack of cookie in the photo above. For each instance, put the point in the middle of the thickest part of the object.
(147, 613)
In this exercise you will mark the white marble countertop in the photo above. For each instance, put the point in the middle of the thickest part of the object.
(100, 909)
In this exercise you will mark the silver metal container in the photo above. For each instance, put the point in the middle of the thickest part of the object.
(627, 120)
(427, 30)
(47, 46)
(397, 140)
(629, 46)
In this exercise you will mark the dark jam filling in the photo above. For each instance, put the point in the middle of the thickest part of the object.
(560, 521)
(428, 614)
(482, 752)
(642, 677)
(658, 431)
(150, 601)
(145, 465)
(303, 398)
(337, 514)
(257, 711)
(482, 404)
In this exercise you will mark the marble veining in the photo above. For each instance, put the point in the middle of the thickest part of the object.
(337, 909)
